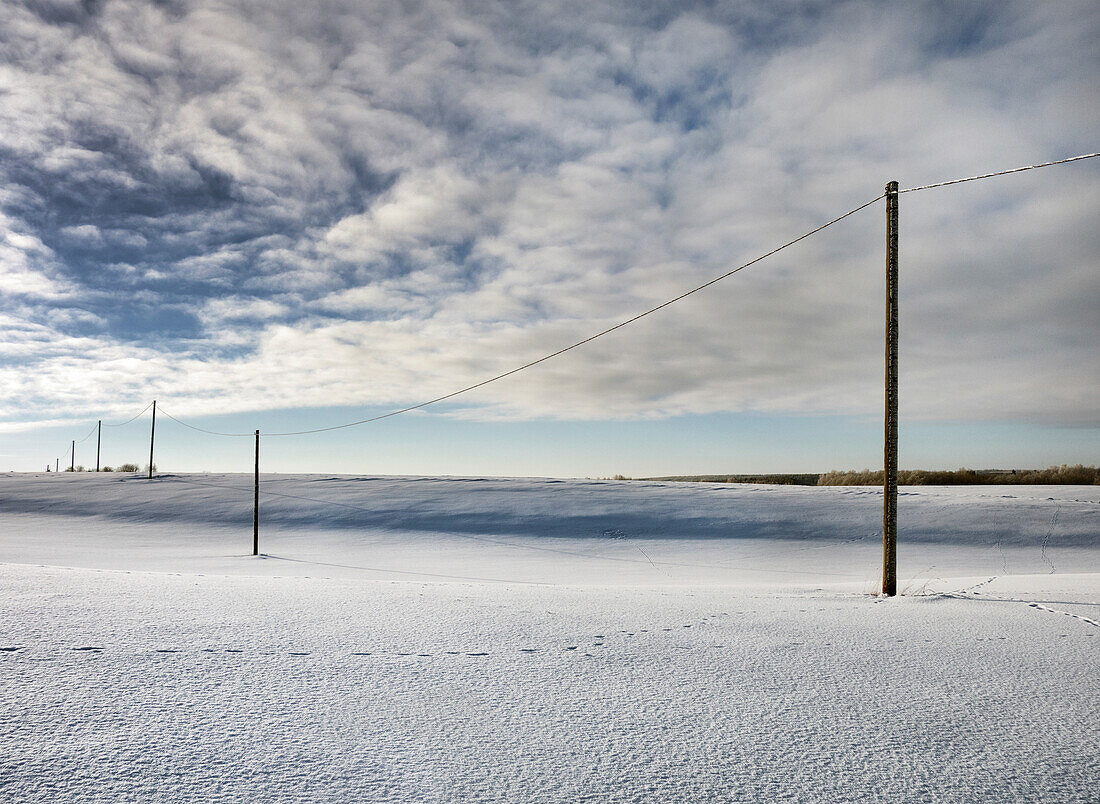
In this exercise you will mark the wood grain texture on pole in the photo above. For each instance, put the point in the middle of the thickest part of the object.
(152, 435)
(256, 502)
(890, 448)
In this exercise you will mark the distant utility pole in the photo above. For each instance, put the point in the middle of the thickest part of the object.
(98, 439)
(256, 502)
(890, 475)
(152, 434)
(72, 459)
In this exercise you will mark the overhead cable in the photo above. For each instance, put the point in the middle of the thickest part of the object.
(999, 173)
(561, 351)
(123, 424)
(94, 428)
(161, 409)
(621, 324)
(105, 424)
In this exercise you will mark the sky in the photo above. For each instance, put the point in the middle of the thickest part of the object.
(286, 215)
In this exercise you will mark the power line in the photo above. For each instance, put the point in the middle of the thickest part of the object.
(94, 427)
(559, 352)
(200, 429)
(999, 173)
(105, 424)
(123, 424)
(621, 324)
(74, 442)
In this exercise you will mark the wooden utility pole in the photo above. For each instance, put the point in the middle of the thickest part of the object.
(256, 502)
(890, 475)
(72, 459)
(98, 441)
(152, 435)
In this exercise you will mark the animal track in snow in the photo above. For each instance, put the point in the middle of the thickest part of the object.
(599, 641)
(1066, 613)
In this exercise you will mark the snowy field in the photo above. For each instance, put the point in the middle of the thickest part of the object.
(441, 639)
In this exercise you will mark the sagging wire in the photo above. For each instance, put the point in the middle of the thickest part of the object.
(559, 352)
(621, 324)
(132, 418)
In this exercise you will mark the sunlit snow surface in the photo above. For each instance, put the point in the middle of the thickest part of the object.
(420, 639)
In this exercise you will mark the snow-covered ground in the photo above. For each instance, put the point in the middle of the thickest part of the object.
(444, 639)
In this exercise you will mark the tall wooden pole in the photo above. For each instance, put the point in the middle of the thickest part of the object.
(72, 459)
(98, 441)
(256, 502)
(890, 475)
(152, 434)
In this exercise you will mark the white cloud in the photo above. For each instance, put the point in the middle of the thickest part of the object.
(372, 205)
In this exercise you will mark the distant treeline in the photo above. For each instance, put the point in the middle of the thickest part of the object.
(779, 480)
(1077, 475)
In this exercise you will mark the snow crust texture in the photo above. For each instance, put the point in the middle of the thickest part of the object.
(155, 664)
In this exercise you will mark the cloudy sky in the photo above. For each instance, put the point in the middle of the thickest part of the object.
(287, 215)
